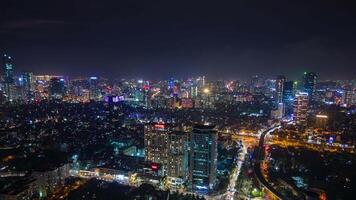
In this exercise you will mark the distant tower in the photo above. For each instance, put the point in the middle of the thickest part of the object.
(8, 75)
(301, 108)
(28, 84)
(203, 157)
(309, 84)
(280, 88)
(57, 89)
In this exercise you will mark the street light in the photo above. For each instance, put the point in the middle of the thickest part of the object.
(206, 90)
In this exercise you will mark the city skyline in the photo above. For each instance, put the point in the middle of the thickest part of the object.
(158, 40)
(198, 100)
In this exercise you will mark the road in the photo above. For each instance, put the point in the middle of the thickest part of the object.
(231, 190)
(259, 157)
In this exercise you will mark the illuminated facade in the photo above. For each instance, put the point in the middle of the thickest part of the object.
(156, 143)
(279, 87)
(309, 83)
(202, 157)
(177, 157)
(288, 96)
(301, 102)
(168, 147)
(8, 76)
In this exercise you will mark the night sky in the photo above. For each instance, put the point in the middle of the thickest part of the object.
(160, 39)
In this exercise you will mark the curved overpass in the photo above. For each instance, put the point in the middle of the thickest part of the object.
(258, 156)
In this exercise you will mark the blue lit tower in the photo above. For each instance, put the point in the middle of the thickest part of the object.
(8, 69)
(309, 83)
(8, 75)
(203, 157)
(288, 96)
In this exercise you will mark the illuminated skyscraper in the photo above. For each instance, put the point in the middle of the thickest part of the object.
(177, 158)
(8, 76)
(28, 84)
(309, 83)
(280, 87)
(203, 157)
(301, 102)
(8, 70)
(168, 147)
(288, 96)
(156, 143)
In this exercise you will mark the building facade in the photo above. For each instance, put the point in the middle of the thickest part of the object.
(301, 102)
(202, 157)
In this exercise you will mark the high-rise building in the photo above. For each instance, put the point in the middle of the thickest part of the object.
(8, 70)
(177, 158)
(301, 102)
(168, 147)
(94, 89)
(57, 88)
(309, 83)
(289, 89)
(156, 143)
(203, 157)
(280, 87)
(28, 84)
(8, 76)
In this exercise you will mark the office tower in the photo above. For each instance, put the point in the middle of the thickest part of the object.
(28, 84)
(177, 158)
(156, 143)
(57, 88)
(203, 157)
(309, 83)
(301, 108)
(165, 145)
(8, 76)
(94, 90)
(280, 87)
(289, 89)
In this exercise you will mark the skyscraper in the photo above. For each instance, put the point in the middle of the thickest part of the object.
(28, 84)
(57, 89)
(177, 158)
(156, 143)
(301, 108)
(203, 157)
(288, 96)
(309, 83)
(8, 75)
(168, 147)
(280, 88)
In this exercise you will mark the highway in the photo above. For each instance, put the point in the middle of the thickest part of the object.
(259, 157)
